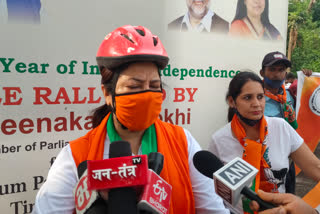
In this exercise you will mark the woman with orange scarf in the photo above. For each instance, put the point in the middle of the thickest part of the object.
(129, 59)
(264, 142)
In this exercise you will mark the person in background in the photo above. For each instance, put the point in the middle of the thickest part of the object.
(279, 102)
(129, 59)
(252, 21)
(264, 142)
(290, 77)
(199, 18)
(293, 90)
(291, 80)
(287, 203)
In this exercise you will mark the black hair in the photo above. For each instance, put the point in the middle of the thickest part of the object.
(109, 79)
(290, 75)
(236, 85)
(241, 12)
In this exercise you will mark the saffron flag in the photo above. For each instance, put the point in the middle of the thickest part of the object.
(308, 109)
(313, 197)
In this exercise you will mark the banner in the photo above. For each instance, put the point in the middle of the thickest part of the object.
(313, 197)
(308, 109)
(50, 83)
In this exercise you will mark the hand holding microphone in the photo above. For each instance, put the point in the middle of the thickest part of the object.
(287, 203)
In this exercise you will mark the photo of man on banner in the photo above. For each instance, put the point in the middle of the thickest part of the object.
(199, 18)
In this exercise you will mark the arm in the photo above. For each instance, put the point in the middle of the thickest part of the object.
(288, 203)
(56, 194)
(206, 199)
(307, 162)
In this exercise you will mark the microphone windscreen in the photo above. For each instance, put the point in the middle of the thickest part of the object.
(98, 207)
(207, 163)
(121, 200)
(119, 149)
(82, 168)
(155, 162)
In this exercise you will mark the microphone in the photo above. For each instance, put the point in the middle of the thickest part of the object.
(156, 195)
(231, 180)
(155, 162)
(87, 201)
(121, 200)
(122, 174)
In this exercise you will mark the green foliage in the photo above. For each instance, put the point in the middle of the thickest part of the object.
(316, 13)
(307, 51)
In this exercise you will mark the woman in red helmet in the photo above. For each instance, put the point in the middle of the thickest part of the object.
(129, 60)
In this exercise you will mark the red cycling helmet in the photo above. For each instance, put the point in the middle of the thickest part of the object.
(129, 44)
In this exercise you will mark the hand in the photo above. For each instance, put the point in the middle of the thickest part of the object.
(104, 194)
(288, 203)
(307, 72)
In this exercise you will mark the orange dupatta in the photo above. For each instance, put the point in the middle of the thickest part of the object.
(253, 152)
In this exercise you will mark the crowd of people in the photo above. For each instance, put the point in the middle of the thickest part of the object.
(261, 130)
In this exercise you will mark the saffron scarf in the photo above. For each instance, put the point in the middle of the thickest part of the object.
(253, 153)
(288, 111)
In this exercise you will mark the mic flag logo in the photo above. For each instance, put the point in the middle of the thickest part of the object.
(232, 178)
(235, 172)
(82, 195)
(156, 195)
(123, 171)
(136, 160)
(117, 172)
(160, 190)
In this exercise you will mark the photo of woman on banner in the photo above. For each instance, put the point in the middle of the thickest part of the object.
(264, 142)
(252, 21)
(129, 60)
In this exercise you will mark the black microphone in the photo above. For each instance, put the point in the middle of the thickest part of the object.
(155, 162)
(121, 200)
(231, 180)
(87, 202)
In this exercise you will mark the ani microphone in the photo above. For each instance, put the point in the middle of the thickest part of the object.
(231, 180)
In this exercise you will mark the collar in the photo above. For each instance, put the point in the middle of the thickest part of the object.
(205, 23)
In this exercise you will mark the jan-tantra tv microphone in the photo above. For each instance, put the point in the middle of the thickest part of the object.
(231, 180)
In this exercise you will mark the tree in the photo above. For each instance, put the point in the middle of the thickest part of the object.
(304, 34)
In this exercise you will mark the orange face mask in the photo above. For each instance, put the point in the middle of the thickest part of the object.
(138, 111)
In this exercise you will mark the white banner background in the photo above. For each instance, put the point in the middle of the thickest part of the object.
(72, 31)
